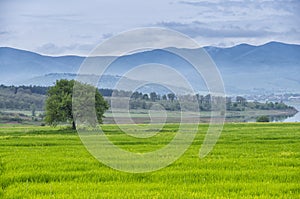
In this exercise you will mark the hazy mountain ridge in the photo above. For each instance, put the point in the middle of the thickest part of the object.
(106, 81)
(272, 67)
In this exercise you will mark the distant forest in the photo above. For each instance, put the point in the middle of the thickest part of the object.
(33, 97)
(171, 102)
(22, 97)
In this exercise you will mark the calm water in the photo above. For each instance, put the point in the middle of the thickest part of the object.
(295, 118)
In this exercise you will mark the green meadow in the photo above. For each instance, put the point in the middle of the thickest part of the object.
(250, 160)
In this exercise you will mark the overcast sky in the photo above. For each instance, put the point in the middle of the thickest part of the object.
(58, 27)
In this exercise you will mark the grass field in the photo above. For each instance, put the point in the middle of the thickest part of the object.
(249, 161)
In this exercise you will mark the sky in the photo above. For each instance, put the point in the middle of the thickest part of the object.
(60, 27)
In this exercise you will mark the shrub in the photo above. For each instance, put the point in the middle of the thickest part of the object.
(263, 118)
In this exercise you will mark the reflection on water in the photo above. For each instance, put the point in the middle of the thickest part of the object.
(296, 117)
(274, 118)
(291, 118)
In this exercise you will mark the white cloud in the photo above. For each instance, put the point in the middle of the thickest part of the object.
(59, 27)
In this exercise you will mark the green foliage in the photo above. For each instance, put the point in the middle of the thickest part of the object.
(153, 96)
(59, 102)
(20, 98)
(263, 118)
(171, 96)
(41, 90)
(205, 103)
(88, 100)
(23, 97)
(249, 161)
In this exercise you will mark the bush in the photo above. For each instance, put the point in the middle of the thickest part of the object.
(263, 118)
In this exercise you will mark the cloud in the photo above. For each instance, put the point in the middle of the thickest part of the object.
(57, 26)
(107, 35)
(78, 48)
(195, 29)
(52, 49)
(245, 10)
(53, 17)
(259, 4)
(252, 22)
(4, 32)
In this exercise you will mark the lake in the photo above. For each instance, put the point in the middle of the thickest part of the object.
(295, 118)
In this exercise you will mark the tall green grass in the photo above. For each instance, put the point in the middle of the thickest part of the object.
(248, 161)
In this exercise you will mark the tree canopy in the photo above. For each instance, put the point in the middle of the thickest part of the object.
(59, 102)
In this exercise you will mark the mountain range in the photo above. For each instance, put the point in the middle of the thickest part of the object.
(245, 69)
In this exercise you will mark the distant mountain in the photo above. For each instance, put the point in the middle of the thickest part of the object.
(19, 65)
(106, 81)
(272, 67)
(268, 55)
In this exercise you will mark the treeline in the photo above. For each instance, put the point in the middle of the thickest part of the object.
(21, 98)
(42, 90)
(33, 97)
(171, 102)
(140, 100)
(29, 97)
(240, 104)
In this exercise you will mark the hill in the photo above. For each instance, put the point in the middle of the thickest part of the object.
(246, 69)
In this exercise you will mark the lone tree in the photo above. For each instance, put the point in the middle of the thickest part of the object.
(59, 102)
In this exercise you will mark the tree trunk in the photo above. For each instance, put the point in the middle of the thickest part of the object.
(73, 125)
